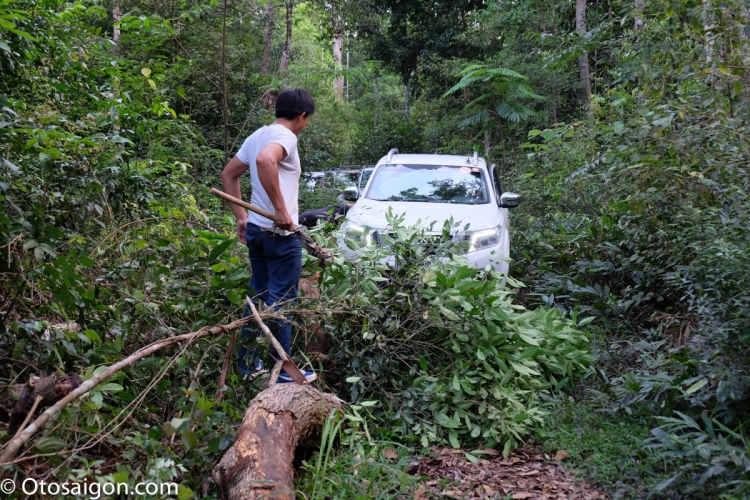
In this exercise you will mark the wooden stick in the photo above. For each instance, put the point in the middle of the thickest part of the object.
(244, 204)
(12, 446)
(225, 367)
(15, 444)
(29, 415)
(289, 366)
(266, 331)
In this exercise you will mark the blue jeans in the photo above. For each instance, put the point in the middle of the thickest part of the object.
(276, 263)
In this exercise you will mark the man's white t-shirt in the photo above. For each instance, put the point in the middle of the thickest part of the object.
(289, 173)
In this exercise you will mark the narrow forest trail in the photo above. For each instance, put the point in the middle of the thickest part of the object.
(525, 474)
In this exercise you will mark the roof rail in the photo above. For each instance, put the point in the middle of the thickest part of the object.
(475, 161)
(391, 153)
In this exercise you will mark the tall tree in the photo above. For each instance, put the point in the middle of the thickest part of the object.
(116, 18)
(284, 65)
(406, 33)
(265, 66)
(583, 59)
(640, 6)
(338, 51)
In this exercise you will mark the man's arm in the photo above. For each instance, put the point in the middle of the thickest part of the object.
(230, 179)
(268, 175)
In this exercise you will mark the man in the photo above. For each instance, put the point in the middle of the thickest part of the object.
(270, 154)
(330, 213)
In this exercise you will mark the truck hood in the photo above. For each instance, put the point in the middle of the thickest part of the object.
(372, 214)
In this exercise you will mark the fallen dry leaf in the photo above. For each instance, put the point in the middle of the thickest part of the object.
(521, 495)
(525, 474)
(529, 473)
(390, 454)
(561, 455)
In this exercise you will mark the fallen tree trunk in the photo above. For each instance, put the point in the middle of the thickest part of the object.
(49, 390)
(259, 463)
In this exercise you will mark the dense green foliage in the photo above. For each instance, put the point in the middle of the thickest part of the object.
(635, 214)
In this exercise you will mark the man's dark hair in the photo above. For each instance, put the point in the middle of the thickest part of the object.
(294, 102)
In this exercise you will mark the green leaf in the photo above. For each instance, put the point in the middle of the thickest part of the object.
(352, 380)
(528, 339)
(189, 440)
(111, 387)
(23, 34)
(523, 370)
(177, 423)
(453, 438)
(548, 135)
(50, 444)
(93, 336)
(586, 321)
(480, 354)
(204, 404)
(696, 386)
(4, 46)
(449, 314)
(120, 477)
(506, 448)
(471, 458)
(183, 492)
(216, 252)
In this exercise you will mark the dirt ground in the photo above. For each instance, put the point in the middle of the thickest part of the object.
(525, 474)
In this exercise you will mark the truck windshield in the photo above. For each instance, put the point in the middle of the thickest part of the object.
(429, 183)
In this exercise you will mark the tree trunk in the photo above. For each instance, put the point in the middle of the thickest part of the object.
(284, 65)
(116, 18)
(265, 66)
(224, 102)
(16, 401)
(583, 59)
(259, 463)
(406, 100)
(338, 49)
(640, 6)
(487, 143)
(377, 99)
(708, 27)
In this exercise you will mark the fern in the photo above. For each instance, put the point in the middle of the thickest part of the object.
(503, 93)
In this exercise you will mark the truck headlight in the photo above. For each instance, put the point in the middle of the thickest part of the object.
(478, 240)
(360, 233)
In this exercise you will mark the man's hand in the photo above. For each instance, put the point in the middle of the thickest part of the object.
(284, 220)
(241, 226)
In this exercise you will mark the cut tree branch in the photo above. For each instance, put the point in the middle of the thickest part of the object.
(15, 444)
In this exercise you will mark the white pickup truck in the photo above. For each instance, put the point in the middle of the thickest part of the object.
(431, 187)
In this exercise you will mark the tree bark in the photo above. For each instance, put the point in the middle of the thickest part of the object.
(377, 99)
(259, 463)
(583, 59)
(487, 143)
(640, 6)
(116, 18)
(224, 102)
(265, 66)
(407, 110)
(50, 389)
(338, 50)
(284, 65)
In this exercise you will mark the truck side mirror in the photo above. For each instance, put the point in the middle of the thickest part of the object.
(351, 193)
(509, 200)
